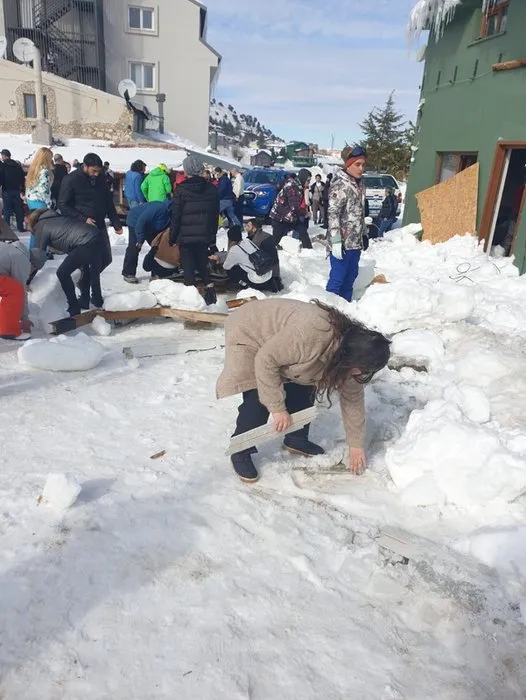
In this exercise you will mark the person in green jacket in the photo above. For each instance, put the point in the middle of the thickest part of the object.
(157, 186)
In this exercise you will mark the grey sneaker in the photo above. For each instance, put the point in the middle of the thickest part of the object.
(131, 279)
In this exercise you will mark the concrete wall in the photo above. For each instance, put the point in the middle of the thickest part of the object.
(184, 64)
(477, 108)
(74, 110)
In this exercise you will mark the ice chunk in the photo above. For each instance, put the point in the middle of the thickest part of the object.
(62, 354)
(101, 326)
(60, 491)
(290, 245)
(422, 347)
(130, 301)
(247, 293)
(501, 547)
(471, 400)
(177, 296)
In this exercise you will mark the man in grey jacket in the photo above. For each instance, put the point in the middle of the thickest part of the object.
(16, 265)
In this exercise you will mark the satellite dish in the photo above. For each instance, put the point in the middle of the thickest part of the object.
(421, 53)
(3, 46)
(24, 50)
(127, 86)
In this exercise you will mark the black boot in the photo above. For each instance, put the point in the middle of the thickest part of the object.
(74, 309)
(244, 466)
(301, 445)
(84, 301)
(97, 302)
(210, 296)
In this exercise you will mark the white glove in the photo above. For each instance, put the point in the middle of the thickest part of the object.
(337, 249)
(368, 220)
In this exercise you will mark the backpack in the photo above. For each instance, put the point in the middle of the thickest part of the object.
(260, 261)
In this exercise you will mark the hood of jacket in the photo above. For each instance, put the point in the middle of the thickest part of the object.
(194, 185)
(157, 172)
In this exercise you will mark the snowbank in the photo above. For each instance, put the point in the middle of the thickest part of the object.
(62, 354)
(502, 548)
(176, 296)
(60, 491)
(444, 457)
(130, 301)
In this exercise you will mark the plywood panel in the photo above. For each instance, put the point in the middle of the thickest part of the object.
(450, 208)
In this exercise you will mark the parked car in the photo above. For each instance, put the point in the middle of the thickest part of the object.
(375, 184)
(261, 188)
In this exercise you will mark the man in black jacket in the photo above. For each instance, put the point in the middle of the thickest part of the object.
(12, 181)
(195, 212)
(84, 196)
(81, 243)
(59, 173)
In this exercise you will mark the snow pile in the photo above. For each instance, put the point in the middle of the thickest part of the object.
(130, 301)
(47, 301)
(60, 491)
(100, 326)
(443, 457)
(420, 347)
(502, 548)
(431, 14)
(177, 296)
(62, 354)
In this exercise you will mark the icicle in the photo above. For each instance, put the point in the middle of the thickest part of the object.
(433, 15)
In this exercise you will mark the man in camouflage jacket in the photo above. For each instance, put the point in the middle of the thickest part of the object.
(346, 223)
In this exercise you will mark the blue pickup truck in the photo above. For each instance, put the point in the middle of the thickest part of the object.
(261, 188)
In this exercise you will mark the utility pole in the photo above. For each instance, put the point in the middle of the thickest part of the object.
(161, 99)
(42, 133)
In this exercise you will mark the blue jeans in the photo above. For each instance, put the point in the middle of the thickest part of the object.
(32, 205)
(384, 225)
(226, 208)
(134, 203)
(344, 273)
(13, 205)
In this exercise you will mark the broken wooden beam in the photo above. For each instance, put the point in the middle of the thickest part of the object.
(509, 65)
(266, 433)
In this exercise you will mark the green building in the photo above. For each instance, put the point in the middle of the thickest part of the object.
(473, 109)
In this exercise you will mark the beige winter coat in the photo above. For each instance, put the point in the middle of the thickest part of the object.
(272, 342)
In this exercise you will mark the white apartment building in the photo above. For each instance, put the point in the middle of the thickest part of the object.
(160, 45)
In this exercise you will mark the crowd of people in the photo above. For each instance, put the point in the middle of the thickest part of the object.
(177, 215)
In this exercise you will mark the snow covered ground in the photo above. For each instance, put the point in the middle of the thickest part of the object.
(168, 578)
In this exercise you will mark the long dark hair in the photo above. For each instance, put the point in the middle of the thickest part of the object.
(355, 347)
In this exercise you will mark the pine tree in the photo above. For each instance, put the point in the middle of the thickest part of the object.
(261, 140)
(388, 139)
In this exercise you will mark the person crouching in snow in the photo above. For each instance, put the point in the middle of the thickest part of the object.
(81, 244)
(144, 224)
(282, 355)
(237, 263)
(195, 212)
(16, 265)
(346, 223)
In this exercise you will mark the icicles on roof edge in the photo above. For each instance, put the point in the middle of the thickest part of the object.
(433, 15)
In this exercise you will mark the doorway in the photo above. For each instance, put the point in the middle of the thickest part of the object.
(505, 199)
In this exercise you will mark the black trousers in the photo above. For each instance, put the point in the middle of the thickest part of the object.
(252, 413)
(326, 213)
(131, 256)
(239, 276)
(194, 258)
(13, 205)
(281, 228)
(85, 258)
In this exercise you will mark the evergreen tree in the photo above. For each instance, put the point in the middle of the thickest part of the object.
(261, 140)
(387, 139)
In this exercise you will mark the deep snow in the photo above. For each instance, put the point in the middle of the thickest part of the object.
(169, 578)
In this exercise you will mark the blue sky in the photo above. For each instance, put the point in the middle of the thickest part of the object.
(311, 68)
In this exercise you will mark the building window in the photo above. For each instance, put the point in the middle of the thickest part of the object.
(141, 18)
(495, 17)
(30, 106)
(450, 164)
(143, 75)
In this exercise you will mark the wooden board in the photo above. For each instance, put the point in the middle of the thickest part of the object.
(450, 208)
(266, 433)
(164, 348)
(70, 324)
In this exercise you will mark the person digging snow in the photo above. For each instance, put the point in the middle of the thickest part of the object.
(346, 222)
(282, 355)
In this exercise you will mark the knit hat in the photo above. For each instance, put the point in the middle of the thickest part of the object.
(304, 175)
(192, 166)
(351, 155)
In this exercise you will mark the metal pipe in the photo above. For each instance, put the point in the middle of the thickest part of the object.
(39, 88)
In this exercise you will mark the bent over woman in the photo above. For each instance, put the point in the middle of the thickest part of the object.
(282, 355)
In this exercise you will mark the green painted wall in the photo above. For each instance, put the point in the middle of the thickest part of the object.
(477, 108)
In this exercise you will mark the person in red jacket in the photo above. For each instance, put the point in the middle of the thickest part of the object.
(179, 177)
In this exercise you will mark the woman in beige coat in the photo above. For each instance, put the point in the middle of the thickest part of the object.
(282, 355)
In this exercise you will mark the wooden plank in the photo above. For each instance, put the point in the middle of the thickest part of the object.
(398, 541)
(509, 65)
(165, 349)
(267, 432)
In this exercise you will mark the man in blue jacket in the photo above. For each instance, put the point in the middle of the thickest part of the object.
(132, 184)
(144, 223)
(226, 197)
